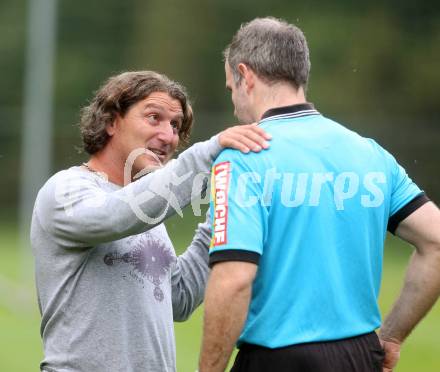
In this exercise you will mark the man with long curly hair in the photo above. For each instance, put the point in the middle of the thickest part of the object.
(108, 280)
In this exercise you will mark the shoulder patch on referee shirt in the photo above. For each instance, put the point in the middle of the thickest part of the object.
(220, 188)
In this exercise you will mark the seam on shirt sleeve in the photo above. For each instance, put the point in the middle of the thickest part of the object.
(234, 255)
(405, 211)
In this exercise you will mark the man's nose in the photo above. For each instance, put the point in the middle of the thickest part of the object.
(166, 132)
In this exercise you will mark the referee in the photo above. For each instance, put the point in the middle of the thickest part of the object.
(299, 229)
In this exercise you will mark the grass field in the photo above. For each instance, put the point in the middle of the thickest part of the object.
(20, 344)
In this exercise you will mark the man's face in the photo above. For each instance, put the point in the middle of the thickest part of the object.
(153, 124)
(239, 97)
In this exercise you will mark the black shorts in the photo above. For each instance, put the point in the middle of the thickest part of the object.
(356, 354)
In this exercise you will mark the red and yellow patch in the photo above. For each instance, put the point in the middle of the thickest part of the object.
(219, 192)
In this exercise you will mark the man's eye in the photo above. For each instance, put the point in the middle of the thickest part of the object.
(153, 118)
(175, 125)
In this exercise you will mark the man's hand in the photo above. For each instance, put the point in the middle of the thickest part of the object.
(392, 354)
(249, 137)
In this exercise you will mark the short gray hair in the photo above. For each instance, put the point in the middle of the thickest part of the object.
(274, 49)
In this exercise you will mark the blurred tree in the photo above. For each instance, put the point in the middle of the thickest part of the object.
(374, 67)
(12, 44)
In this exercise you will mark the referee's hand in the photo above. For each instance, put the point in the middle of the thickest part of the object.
(392, 355)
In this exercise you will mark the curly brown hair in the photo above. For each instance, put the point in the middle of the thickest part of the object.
(118, 94)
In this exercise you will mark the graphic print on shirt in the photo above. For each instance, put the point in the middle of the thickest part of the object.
(219, 194)
(150, 259)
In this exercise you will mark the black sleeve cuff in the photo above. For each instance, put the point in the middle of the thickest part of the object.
(234, 255)
(405, 211)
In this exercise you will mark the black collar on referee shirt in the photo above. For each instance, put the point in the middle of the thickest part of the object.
(307, 108)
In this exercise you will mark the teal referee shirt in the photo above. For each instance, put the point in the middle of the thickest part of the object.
(312, 212)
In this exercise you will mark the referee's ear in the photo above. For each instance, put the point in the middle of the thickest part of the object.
(248, 76)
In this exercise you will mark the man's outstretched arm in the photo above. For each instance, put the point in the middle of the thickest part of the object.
(226, 307)
(421, 288)
(190, 274)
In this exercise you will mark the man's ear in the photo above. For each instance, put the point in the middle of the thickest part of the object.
(111, 128)
(247, 75)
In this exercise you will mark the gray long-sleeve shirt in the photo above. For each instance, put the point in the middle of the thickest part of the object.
(109, 283)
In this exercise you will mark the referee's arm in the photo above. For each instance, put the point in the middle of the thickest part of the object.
(421, 287)
(226, 306)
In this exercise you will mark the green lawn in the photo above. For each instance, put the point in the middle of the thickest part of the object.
(20, 344)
